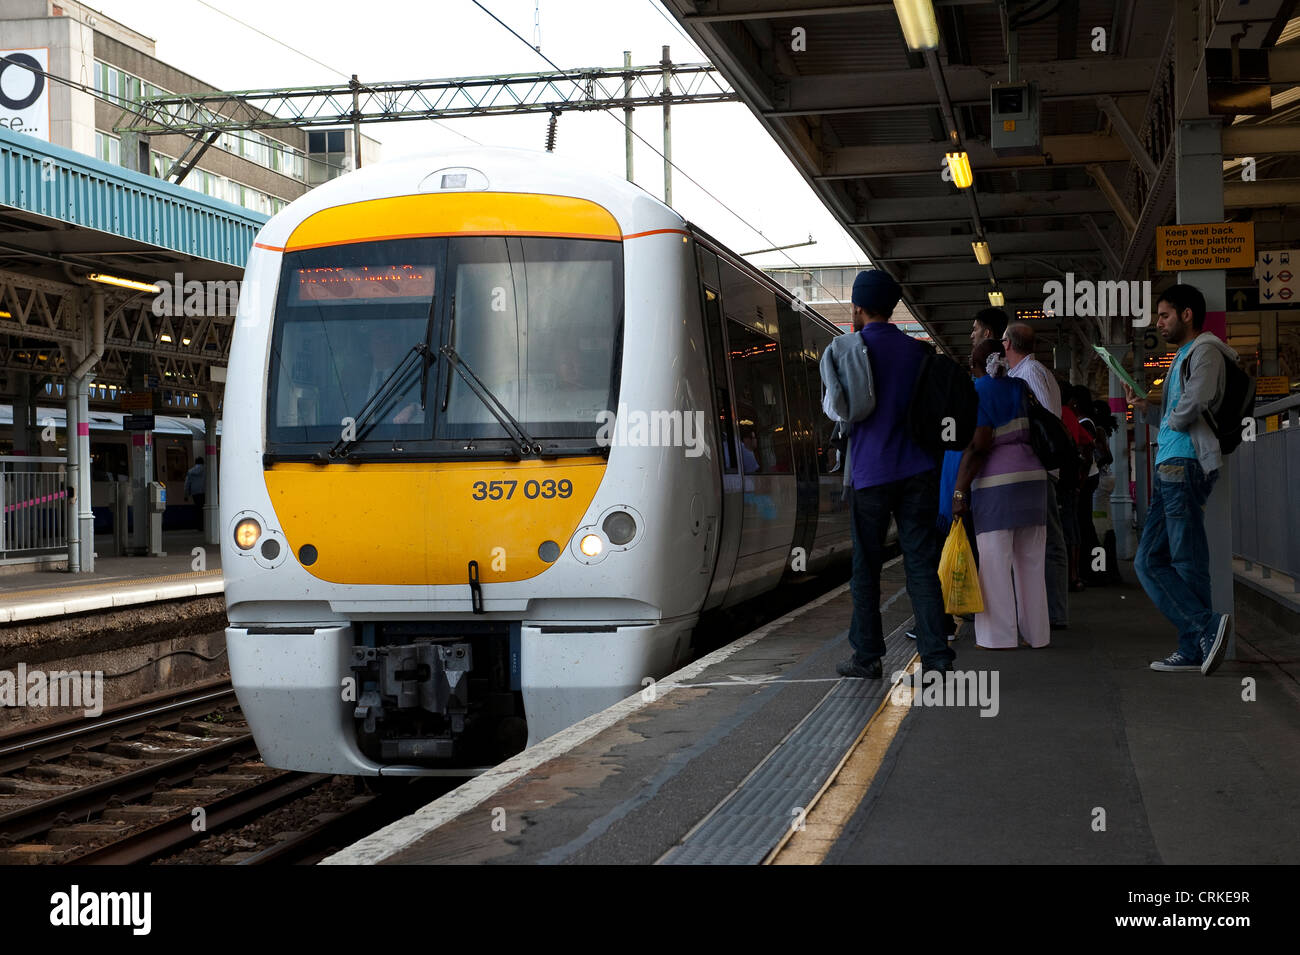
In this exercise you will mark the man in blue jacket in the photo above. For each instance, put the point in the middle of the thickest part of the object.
(891, 476)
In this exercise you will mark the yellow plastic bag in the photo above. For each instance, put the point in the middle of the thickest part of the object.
(957, 575)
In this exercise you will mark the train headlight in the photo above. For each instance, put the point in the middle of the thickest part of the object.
(247, 532)
(619, 527)
(591, 545)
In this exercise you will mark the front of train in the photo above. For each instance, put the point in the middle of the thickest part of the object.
(431, 551)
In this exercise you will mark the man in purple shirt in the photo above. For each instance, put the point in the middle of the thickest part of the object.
(892, 476)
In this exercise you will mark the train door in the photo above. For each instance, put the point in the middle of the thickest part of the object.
(175, 468)
(769, 490)
(726, 518)
(833, 536)
(803, 400)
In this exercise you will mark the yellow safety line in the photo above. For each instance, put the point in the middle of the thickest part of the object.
(128, 582)
(842, 793)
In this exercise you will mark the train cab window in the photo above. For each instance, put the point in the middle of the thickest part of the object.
(346, 319)
(760, 401)
(539, 321)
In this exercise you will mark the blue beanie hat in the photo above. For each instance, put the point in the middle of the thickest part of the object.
(876, 292)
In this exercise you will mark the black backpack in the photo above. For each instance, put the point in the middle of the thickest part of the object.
(1237, 404)
(943, 390)
(1051, 441)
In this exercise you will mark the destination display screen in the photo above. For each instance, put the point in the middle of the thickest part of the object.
(362, 284)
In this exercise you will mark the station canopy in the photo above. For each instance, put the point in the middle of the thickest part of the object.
(64, 217)
(867, 121)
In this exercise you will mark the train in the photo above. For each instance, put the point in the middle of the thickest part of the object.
(177, 441)
(498, 431)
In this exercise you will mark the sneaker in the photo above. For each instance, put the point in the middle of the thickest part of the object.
(1175, 663)
(852, 668)
(1214, 645)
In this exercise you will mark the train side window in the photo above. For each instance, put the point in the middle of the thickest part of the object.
(823, 426)
(760, 401)
(747, 302)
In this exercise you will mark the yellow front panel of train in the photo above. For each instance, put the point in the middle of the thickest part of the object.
(473, 213)
(422, 523)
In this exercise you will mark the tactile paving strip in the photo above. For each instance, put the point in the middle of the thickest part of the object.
(746, 826)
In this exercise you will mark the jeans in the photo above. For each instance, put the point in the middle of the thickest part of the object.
(914, 504)
(1173, 558)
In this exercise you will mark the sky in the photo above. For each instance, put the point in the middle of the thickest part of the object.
(722, 146)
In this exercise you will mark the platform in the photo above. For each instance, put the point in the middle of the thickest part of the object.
(1090, 757)
(115, 582)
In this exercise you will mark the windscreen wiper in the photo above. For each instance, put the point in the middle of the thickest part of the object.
(526, 443)
(366, 418)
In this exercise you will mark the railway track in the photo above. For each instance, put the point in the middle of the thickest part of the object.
(71, 784)
(148, 779)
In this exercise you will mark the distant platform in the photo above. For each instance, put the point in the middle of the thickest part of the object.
(116, 582)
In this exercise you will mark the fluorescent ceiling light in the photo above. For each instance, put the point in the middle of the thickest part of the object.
(959, 166)
(123, 283)
(920, 29)
(997, 299)
(982, 254)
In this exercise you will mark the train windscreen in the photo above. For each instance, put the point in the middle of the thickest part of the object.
(537, 320)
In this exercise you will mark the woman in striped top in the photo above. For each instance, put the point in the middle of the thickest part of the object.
(1004, 485)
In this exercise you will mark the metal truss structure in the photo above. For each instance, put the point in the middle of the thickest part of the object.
(584, 89)
(48, 325)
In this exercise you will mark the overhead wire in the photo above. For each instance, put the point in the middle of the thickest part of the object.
(691, 179)
(675, 25)
(308, 56)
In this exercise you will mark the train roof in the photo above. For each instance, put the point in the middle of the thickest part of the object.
(486, 169)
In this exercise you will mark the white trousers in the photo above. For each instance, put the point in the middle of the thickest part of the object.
(1014, 588)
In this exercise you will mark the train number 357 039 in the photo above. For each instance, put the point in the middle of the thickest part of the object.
(532, 489)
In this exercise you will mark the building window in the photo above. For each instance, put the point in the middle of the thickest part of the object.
(108, 148)
(327, 153)
(126, 89)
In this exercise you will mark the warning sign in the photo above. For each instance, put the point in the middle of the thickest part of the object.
(1206, 245)
(1272, 385)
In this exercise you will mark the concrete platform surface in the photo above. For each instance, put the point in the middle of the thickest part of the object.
(1086, 756)
(115, 582)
